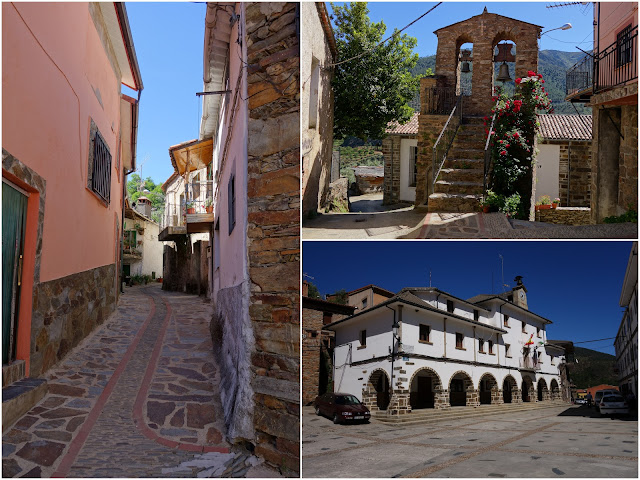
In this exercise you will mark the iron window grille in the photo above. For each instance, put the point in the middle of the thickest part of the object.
(624, 52)
(101, 175)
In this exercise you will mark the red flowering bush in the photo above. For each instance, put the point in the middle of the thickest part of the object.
(514, 131)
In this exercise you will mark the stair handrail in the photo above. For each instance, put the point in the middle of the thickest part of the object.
(487, 156)
(450, 135)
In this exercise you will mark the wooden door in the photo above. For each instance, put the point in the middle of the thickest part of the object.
(425, 395)
(14, 216)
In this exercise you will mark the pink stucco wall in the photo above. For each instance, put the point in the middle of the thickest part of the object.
(53, 62)
(233, 248)
(614, 16)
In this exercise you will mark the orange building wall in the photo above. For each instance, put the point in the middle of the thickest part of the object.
(53, 61)
(614, 16)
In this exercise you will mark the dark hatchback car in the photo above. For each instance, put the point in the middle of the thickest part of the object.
(341, 407)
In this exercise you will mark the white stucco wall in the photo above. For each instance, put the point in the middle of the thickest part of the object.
(548, 171)
(407, 193)
(150, 248)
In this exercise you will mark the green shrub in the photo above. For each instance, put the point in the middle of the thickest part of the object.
(511, 205)
(630, 216)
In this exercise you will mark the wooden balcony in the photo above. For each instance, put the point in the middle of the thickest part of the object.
(172, 233)
(199, 222)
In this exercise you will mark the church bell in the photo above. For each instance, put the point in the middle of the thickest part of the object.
(503, 73)
(465, 67)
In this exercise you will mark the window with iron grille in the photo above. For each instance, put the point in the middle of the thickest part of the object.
(624, 47)
(232, 203)
(413, 166)
(100, 167)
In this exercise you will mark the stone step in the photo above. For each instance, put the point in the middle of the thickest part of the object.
(473, 120)
(464, 164)
(458, 187)
(456, 413)
(462, 174)
(465, 152)
(20, 397)
(454, 203)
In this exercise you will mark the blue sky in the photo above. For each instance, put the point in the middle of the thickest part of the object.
(399, 14)
(169, 42)
(576, 285)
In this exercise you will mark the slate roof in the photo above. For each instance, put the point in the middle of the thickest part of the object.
(565, 127)
(409, 128)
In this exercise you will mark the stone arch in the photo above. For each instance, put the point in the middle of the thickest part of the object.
(463, 81)
(425, 387)
(376, 394)
(528, 390)
(543, 390)
(461, 391)
(510, 391)
(555, 390)
(487, 389)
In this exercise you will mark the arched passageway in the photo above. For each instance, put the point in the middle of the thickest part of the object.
(527, 389)
(543, 391)
(555, 390)
(379, 385)
(460, 387)
(487, 384)
(508, 387)
(424, 385)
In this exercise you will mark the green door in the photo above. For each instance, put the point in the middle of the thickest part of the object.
(14, 216)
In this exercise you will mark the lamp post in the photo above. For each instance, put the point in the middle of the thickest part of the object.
(566, 26)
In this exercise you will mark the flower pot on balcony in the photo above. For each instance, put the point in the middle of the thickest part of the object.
(191, 210)
(555, 205)
(543, 207)
(486, 208)
(209, 209)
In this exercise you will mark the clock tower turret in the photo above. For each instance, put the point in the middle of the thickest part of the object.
(520, 293)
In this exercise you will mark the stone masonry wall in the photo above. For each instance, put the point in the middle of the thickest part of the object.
(574, 173)
(628, 181)
(273, 199)
(311, 347)
(66, 310)
(565, 216)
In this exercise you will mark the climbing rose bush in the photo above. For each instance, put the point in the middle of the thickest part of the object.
(514, 131)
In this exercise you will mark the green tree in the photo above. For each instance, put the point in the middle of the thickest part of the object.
(374, 88)
(340, 297)
(136, 188)
(313, 291)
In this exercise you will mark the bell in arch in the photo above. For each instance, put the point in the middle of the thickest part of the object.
(466, 58)
(465, 67)
(503, 73)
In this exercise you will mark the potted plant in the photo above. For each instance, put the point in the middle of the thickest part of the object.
(208, 205)
(191, 208)
(492, 202)
(544, 203)
(555, 203)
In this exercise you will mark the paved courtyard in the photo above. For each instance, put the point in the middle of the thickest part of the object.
(554, 442)
(137, 398)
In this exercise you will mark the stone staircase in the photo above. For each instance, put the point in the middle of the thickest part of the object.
(430, 415)
(459, 186)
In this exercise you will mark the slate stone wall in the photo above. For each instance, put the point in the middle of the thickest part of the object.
(273, 231)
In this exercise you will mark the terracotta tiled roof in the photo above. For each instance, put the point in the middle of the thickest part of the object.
(565, 127)
(409, 128)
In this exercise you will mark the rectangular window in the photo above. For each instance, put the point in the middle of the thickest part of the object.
(507, 350)
(624, 47)
(195, 187)
(538, 332)
(450, 306)
(524, 327)
(232, 203)
(506, 320)
(481, 346)
(413, 166)
(476, 315)
(490, 347)
(101, 171)
(425, 330)
(314, 87)
(363, 338)
(364, 303)
(460, 341)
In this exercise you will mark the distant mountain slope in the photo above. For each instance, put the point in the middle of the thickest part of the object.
(592, 368)
(553, 65)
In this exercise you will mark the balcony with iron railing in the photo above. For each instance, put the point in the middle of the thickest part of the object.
(132, 247)
(194, 213)
(529, 363)
(613, 66)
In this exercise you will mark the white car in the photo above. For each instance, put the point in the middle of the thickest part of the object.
(601, 393)
(612, 404)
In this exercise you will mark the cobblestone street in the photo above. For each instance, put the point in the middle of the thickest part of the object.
(137, 398)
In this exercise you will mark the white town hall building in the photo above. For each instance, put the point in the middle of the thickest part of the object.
(425, 348)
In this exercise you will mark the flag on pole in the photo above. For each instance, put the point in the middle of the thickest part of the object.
(530, 342)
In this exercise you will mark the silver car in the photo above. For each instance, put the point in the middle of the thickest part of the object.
(612, 404)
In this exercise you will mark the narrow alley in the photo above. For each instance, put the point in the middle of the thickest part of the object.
(137, 398)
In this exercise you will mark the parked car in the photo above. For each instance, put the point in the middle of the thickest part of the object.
(613, 403)
(581, 401)
(600, 394)
(341, 407)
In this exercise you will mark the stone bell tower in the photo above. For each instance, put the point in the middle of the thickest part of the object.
(438, 92)
(520, 293)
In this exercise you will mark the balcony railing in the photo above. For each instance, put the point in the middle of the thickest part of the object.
(618, 63)
(172, 216)
(439, 101)
(199, 197)
(529, 363)
(580, 77)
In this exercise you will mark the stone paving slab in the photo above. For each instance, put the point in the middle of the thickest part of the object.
(536, 443)
(99, 416)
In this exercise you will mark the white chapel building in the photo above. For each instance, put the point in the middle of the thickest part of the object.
(425, 348)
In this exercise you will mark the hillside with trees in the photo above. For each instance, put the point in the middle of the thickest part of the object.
(592, 368)
(137, 188)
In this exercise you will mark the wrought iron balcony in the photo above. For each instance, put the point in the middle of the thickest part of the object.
(439, 101)
(580, 80)
(199, 206)
(529, 363)
(172, 222)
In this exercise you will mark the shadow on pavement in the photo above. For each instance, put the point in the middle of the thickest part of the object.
(586, 412)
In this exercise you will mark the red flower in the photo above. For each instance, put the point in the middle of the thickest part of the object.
(516, 135)
(508, 145)
(503, 152)
(518, 80)
(541, 81)
(531, 73)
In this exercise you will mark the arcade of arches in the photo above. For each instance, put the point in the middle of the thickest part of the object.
(426, 391)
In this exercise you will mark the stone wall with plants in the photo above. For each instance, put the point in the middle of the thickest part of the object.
(512, 145)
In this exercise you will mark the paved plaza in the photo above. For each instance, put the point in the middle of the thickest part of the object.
(571, 441)
(137, 398)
